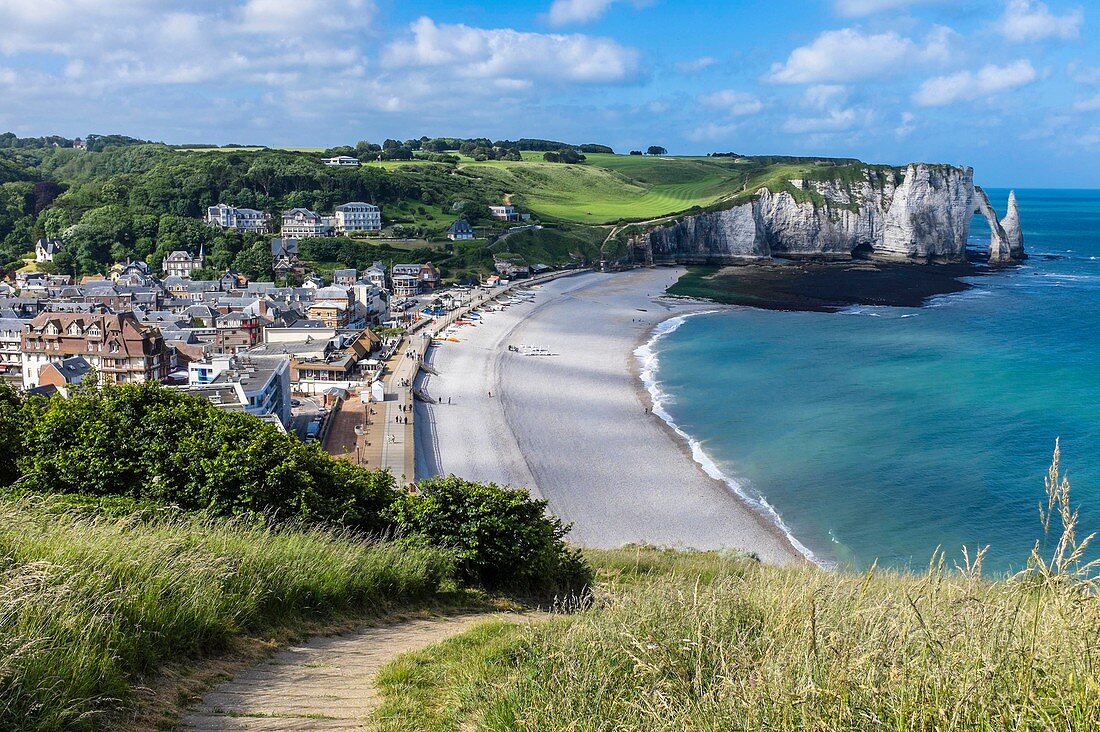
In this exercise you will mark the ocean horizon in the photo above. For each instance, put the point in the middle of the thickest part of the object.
(885, 434)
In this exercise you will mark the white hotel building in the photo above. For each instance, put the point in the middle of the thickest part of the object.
(241, 219)
(301, 223)
(358, 216)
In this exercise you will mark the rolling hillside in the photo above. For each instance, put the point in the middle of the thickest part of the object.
(141, 200)
(610, 188)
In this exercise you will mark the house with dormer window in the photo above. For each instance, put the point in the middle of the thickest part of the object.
(119, 347)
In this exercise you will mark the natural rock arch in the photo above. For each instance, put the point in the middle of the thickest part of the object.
(1000, 252)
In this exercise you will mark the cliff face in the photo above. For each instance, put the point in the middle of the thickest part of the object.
(929, 216)
(923, 214)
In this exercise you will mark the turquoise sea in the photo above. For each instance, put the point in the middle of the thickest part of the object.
(884, 433)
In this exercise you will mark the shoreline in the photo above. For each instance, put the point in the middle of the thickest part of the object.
(647, 387)
(574, 428)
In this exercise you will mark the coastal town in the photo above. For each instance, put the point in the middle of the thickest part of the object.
(564, 365)
(314, 356)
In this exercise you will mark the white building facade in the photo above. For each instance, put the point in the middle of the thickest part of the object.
(341, 161)
(257, 385)
(301, 223)
(358, 216)
(241, 219)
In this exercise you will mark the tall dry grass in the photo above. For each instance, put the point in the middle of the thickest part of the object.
(90, 603)
(740, 646)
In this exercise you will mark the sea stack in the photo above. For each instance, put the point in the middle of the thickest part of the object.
(1000, 252)
(1013, 232)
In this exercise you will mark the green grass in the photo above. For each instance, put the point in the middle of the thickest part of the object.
(618, 188)
(442, 686)
(415, 213)
(93, 603)
(708, 641)
(610, 188)
(552, 247)
(397, 164)
(703, 642)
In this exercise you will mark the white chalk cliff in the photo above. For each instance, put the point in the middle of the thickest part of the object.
(920, 214)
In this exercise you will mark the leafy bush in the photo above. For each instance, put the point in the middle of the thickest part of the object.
(503, 538)
(148, 442)
(151, 445)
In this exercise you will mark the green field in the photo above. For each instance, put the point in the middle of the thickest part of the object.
(611, 188)
(622, 188)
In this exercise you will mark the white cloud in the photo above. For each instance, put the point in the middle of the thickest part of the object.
(733, 103)
(278, 16)
(566, 12)
(938, 45)
(110, 44)
(858, 8)
(695, 65)
(836, 120)
(1083, 73)
(967, 85)
(820, 96)
(711, 131)
(1090, 138)
(1090, 104)
(906, 126)
(850, 54)
(508, 54)
(1031, 20)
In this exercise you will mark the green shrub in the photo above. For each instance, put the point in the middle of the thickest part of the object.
(147, 442)
(142, 445)
(502, 537)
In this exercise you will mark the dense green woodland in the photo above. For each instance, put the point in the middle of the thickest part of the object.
(128, 199)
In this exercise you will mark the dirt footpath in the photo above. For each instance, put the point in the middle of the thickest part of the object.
(325, 684)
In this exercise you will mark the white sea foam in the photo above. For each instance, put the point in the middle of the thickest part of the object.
(867, 310)
(940, 301)
(648, 363)
(1068, 277)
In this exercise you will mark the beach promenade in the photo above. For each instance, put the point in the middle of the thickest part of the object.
(575, 426)
(382, 435)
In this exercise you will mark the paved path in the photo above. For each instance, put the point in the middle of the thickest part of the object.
(325, 684)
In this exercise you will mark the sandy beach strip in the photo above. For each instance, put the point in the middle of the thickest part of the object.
(574, 427)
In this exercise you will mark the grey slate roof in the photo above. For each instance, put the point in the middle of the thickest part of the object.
(73, 368)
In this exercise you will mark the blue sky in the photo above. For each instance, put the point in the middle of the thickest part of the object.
(1011, 87)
